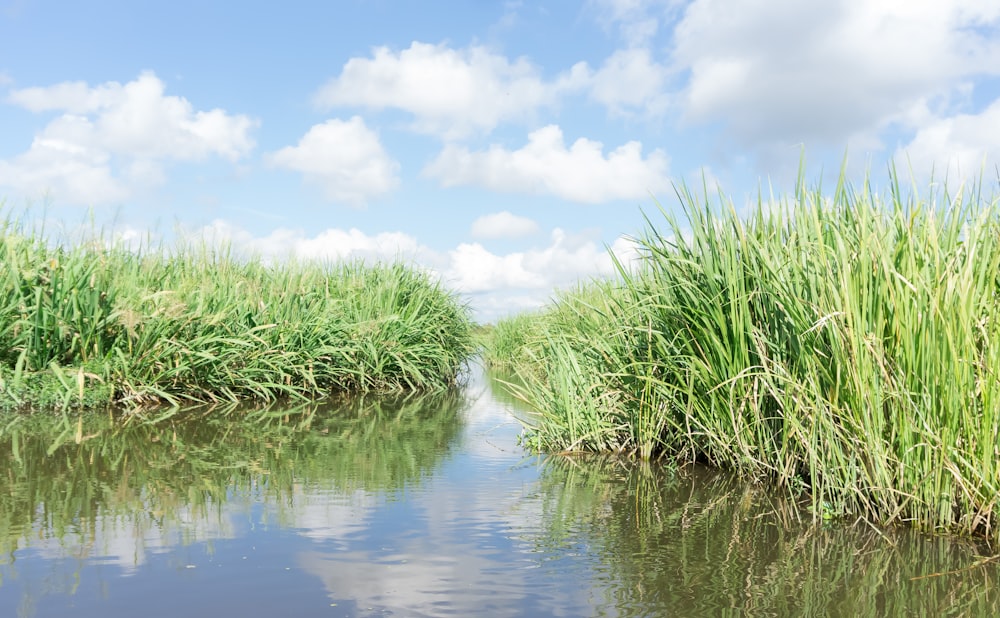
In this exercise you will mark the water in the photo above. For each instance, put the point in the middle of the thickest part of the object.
(424, 508)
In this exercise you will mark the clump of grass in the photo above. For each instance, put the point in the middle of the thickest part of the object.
(587, 366)
(508, 338)
(844, 344)
(86, 324)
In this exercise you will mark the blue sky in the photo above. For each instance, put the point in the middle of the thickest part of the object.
(503, 145)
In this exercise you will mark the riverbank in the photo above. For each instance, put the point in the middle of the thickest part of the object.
(843, 344)
(89, 324)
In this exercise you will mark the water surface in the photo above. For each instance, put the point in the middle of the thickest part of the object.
(424, 507)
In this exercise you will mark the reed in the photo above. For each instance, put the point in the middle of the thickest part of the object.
(843, 344)
(85, 324)
(507, 338)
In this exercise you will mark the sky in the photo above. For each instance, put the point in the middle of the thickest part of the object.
(506, 147)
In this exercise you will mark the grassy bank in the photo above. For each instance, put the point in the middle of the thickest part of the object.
(84, 325)
(843, 343)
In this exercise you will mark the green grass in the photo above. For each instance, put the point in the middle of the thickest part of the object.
(846, 344)
(85, 324)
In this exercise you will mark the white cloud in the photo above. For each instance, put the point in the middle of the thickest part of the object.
(503, 225)
(787, 72)
(137, 120)
(956, 147)
(454, 93)
(497, 284)
(345, 158)
(71, 97)
(501, 285)
(112, 139)
(580, 173)
(567, 258)
(449, 92)
(630, 78)
(58, 166)
(329, 244)
(637, 20)
(474, 269)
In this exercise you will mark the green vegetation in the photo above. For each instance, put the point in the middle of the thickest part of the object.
(88, 324)
(846, 345)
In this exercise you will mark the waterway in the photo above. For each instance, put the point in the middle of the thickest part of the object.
(413, 506)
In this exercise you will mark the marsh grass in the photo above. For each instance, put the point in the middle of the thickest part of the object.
(843, 344)
(83, 324)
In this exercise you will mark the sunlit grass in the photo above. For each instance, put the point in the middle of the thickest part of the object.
(87, 324)
(843, 343)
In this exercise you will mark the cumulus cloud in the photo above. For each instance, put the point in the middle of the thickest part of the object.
(450, 92)
(454, 93)
(111, 140)
(345, 158)
(329, 244)
(630, 79)
(956, 147)
(495, 283)
(498, 285)
(789, 72)
(545, 166)
(503, 225)
(473, 269)
(56, 165)
(567, 258)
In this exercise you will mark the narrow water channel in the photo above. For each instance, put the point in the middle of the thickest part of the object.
(424, 507)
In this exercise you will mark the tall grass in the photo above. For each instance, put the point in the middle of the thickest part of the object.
(86, 324)
(846, 344)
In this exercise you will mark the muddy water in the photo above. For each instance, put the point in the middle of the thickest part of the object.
(423, 507)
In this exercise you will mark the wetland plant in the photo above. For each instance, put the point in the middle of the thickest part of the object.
(88, 324)
(847, 345)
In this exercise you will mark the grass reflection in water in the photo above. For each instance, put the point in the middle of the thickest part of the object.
(696, 542)
(67, 477)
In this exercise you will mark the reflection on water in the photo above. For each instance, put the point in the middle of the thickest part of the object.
(699, 542)
(421, 507)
